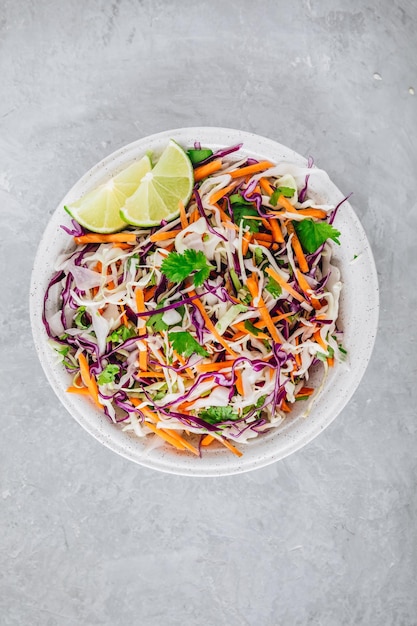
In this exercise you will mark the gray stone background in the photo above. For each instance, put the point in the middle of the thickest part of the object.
(326, 537)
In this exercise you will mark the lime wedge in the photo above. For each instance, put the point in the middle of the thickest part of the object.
(161, 190)
(99, 210)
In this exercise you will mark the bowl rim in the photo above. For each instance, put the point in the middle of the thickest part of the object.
(222, 463)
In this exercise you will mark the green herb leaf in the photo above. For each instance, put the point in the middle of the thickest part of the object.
(259, 257)
(197, 155)
(177, 267)
(80, 320)
(287, 192)
(217, 414)
(184, 343)
(121, 334)
(242, 213)
(313, 234)
(108, 374)
(273, 288)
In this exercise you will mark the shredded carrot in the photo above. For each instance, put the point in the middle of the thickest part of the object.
(83, 391)
(207, 440)
(124, 316)
(231, 447)
(312, 212)
(205, 170)
(88, 380)
(164, 236)
(296, 246)
(114, 238)
(266, 186)
(250, 169)
(319, 339)
(285, 407)
(122, 246)
(252, 285)
(183, 216)
(297, 355)
(149, 293)
(245, 331)
(239, 382)
(278, 278)
(161, 433)
(276, 230)
(305, 391)
(302, 281)
(283, 201)
(213, 367)
(330, 361)
(210, 325)
(263, 237)
(218, 195)
(141, 374)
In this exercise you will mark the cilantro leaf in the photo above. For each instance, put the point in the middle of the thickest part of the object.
(242, 213)
(108, 374)
(313, 234)
(80, 319)
(217, 414)
(184, 343)
(156, 322)
(273, 287)
(177, 267)
(121, 334)
(287, 192)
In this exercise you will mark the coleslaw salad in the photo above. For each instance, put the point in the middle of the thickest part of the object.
(207, 328)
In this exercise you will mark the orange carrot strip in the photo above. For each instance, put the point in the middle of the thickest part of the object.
(171, 435)
(164, 236)
(305, 391)
(207, 440)
(161, 433)
(114, 238)
(143, 357)
(210, 325)
(296, 246)
(205, 170)
(297, 355)
(231, 447)
(318, 338)
(278, 278)
(263, 237)
(218, 195)
(213, 367)
(83, 391)
(141, 374)
(266, 186)
(312, 212)
(302, 281)
(124, 316)
(252, 285)
(241, 326)
(183, 216)
(239, 382)
(123, 246)
(283, 201)
(330, 361)
(250, 169)
(276, 231)
(149, 293)
(88, 380)
(285, 407)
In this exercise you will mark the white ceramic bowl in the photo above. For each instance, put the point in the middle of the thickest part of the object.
(358, 319)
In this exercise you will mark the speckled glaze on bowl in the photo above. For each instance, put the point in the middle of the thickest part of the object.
(358, 318)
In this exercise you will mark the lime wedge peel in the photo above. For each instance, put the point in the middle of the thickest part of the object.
(139, 195)
(161, 190)
(99, 210)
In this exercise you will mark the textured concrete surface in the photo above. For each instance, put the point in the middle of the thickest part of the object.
(326, 537)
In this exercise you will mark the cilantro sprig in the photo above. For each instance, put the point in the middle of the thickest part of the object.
(314, 234)
(184, 343)
(178, 266)
(217, 414)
